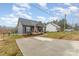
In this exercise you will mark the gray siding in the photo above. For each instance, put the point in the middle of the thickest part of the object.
(20, 28)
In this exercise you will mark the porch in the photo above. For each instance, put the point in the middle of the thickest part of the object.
(32, 29)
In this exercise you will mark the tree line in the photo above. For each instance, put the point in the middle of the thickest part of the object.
(65, 25)
(4, 30)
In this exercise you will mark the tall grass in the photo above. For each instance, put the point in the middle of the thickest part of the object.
(63, 35)
(9, 46)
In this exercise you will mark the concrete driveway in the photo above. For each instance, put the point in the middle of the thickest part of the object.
(41, 46)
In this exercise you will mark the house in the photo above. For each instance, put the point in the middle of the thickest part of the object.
(26, 26)
(52, 27)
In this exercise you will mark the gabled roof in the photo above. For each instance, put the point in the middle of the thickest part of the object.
(54, 24)
(30, 22)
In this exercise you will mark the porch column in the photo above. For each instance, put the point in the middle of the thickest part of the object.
(35, 29)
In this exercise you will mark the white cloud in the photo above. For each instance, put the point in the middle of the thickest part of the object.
(65, 10)
(23, 15)
(41, 18)
(18, 11)
(11, 21)
(16, 8)
(45, 20)
(2, 18)
(21, 12)
(60, 10)
(25, 5)
(52, 18)
(77, 14)
(73, 8)
(68, 4)
(44, 5)
(8, 21)
(29, 13)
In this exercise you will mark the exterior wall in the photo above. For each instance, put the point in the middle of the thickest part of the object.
(20, 28)
(51, 28)
(44, 29)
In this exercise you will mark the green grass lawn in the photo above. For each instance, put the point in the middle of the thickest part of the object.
(63, 35)
(8, 46)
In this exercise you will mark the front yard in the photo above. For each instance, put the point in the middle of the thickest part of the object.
(8, 46)
(63, 35)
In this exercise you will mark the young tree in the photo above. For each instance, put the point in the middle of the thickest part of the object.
(76, 28)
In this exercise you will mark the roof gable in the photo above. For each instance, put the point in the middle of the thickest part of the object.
(30, 22)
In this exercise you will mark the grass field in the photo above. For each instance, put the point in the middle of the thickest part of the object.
(8, 46)
(63, 35)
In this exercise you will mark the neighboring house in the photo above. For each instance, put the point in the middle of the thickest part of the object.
(52, 27)
(26, 26)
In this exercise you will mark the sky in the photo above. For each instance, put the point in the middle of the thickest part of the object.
(45, 12)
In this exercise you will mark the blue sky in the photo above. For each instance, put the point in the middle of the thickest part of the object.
(10, 12)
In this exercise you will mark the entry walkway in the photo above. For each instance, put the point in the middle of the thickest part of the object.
(41, 46)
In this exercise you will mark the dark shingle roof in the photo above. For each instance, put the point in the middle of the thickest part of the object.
(30, 22)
